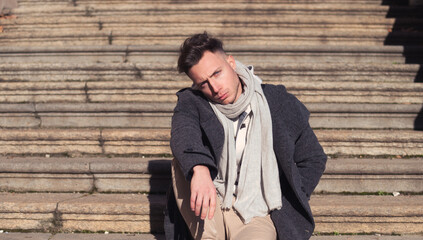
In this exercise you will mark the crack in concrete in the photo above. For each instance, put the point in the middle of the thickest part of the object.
(87, 96)
(57, 220)
(100, 25)
(36, 115)
(110, 38)
(94, 187)
(125, 58)
(101, 142)
(138, 74)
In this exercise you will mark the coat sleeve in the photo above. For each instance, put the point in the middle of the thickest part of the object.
(187, 138)
(309, 156)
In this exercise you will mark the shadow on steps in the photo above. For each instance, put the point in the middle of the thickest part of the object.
(407, 31)
(418, 123)
(159, 183)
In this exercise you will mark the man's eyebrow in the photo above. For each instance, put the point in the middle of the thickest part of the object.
(215, 71)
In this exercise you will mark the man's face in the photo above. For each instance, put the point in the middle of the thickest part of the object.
(214, 75)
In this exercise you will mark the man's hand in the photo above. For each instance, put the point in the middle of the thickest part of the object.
(203, 192)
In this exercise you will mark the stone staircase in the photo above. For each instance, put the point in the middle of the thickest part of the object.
(88, 88)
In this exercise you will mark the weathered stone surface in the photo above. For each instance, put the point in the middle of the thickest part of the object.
(49, 134)
(112, 204)
(367, 166)
(163, 120)
(136, 134)
(153, 175)
(29, 236)
(105, 108)
(155, 166)
(47, 147)
(111, 236)
(125, 35)
(367, 237)
(114, 236)
(122, 120)
(29, 211)
(387, 214)
(255, 55)
(158, 115)
(375, 206)
(156, 141)
(268, 71)
(365, 227)
(43, 223)
(363, 121)
(370, 183)
(132, 183)
(12, 108)
(131, 148)
(254, 8)
(32, 202)
(84, 165)
(16, 120)
(135, 212)
(29, 182)
(45, 165)
(371, 142)
(157, 21)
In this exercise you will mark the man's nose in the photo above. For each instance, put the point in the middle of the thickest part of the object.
(214, 86)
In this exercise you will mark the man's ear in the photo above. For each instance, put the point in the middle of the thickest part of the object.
(231, 60)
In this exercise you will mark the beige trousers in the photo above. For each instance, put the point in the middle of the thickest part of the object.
(226, 224)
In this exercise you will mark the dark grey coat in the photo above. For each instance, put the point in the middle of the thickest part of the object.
(197, 138)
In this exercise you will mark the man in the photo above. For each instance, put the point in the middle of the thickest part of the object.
(246, 159)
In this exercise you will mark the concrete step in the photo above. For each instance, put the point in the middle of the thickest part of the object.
(111, 2)
(100, 32)
(102, 236)
(146, 236)
(100, 174)
(158, 115)
(99, 9)
(164, 91)
(153, 35)
(138, 175)
(138, 141)
(269, 71)
(226, 8)
(255, 55)
(143, 213)
(47, 23)
(349, 175)
(132, 32)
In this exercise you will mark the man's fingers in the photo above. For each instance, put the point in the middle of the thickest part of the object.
(205, 207)
(212, 207)
(192, 200)
(198, 204)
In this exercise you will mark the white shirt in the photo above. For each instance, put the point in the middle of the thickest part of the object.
(241, 128)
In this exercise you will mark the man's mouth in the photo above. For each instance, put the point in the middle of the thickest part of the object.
(223, 97)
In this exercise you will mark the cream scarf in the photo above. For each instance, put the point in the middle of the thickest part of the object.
(259, 189)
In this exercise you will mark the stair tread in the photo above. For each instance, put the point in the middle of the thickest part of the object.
(83, 212)
(120, 236)
(57, 165)
(143, 204)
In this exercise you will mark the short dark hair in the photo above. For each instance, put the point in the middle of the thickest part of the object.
(193, 48)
